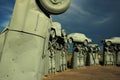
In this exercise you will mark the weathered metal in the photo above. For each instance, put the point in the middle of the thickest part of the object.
(25, 41)
(79, 52)
(51, 61)
(93, 54)
(78, 56)
(111, 51)
(79, 37)
(54, 6)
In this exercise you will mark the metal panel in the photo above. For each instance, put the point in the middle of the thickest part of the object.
(64, 62)
(109, 58)
(93, 59)
(52, 68)
(118, 58)
(22, 57)
(58, 60)
(82, 59)
(75, 60)
(25, 45)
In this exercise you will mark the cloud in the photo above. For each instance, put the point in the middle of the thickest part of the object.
(103, 20)
(96, 19)
(76, 13)
(79, 9)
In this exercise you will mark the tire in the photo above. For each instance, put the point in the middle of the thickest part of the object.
(108, 43)
(54, 6)
(53, 34)
(70, 40)
(85, 42)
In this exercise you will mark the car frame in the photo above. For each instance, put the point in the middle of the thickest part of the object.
(79, 37)
(113, 40)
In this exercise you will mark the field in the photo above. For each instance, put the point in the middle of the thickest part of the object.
(88, 73)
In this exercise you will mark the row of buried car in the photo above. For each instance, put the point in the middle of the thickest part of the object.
(56, 60)
(24, 49)
(84, 53)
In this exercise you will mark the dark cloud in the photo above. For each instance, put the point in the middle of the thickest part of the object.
(98, 19)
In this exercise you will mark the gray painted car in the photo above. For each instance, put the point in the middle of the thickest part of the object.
(80, 41)
(111, 51)
(25, 43)
(113, 40)
(78, 37)
(93, 54)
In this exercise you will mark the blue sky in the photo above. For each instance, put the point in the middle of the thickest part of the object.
(97, 19)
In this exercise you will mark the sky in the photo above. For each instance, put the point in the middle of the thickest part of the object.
(97, 19)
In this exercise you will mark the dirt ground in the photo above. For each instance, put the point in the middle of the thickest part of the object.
(88, 73)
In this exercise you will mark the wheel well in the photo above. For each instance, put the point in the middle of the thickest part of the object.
(86, 40)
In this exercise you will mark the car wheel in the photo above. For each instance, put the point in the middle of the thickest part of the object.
(54, 6)
(52, 33)
(70, 40)
(85, 42)
(108, 43)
